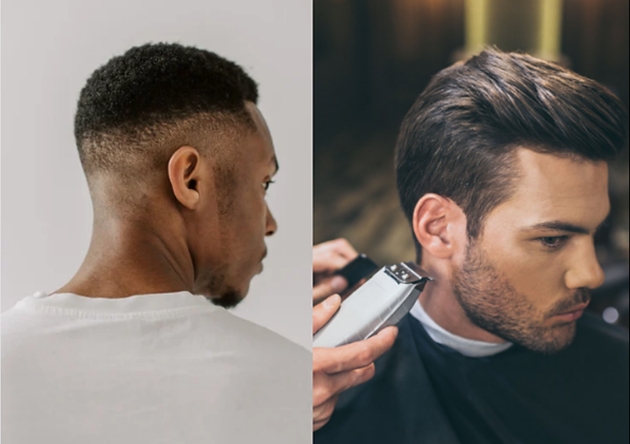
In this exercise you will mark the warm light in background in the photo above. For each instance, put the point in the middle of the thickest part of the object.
(532, 26)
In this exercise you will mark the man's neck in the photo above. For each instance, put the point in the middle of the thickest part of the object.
(439, 302)
(130, 258)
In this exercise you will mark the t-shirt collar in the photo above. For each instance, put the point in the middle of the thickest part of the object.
(465, 346)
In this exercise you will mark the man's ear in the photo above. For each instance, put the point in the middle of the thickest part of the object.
(439, 224)
(184, 174)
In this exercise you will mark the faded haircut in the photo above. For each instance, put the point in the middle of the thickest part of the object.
(139, 107)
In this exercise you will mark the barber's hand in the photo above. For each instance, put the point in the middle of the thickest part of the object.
(329, 257)
(338, 369)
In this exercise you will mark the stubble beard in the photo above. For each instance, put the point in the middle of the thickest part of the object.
(491, 302)
(222, 293)
(228, 299)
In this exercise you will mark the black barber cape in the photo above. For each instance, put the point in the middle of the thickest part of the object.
(426, 393)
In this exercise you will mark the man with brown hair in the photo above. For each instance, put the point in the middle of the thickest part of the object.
(502, 173)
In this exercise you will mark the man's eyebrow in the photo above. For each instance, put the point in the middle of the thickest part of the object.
(274, 160)
(558, 225)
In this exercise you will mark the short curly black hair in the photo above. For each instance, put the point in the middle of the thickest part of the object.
(134, 96)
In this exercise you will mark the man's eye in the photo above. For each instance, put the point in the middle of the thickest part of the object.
(267, 183)
(553, 241)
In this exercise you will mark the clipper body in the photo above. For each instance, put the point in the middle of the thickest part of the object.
(382, 301)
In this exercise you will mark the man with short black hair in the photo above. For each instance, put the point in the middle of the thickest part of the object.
(501, 171)
(178, 159)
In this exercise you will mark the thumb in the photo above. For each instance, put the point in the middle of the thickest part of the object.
(324, 311)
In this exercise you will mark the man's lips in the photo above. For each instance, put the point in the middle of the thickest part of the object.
(264, 255)
(572, 314)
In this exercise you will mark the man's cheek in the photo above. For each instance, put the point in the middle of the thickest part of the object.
(538, 281)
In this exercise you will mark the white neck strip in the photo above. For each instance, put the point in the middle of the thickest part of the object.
(467, 347)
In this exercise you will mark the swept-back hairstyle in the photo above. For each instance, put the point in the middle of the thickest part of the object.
(458, 137)
(153, 94)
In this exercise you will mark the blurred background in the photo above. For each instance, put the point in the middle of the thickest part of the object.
(371, 59)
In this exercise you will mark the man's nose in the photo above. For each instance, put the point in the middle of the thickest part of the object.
(585, 271)
(271, 226)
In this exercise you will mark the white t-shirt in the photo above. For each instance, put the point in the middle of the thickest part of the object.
(161, 368)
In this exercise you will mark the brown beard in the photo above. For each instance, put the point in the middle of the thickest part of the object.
(491, 302)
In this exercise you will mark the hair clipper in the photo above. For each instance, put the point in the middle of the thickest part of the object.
(383, 300)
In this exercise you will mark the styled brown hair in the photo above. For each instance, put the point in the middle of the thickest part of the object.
(458, 137)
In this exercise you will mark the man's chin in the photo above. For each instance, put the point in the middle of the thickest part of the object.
(549, 340)
(228, 299)
(559, 338)
(226, 295)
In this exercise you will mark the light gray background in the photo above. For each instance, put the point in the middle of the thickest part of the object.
(49, 48)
